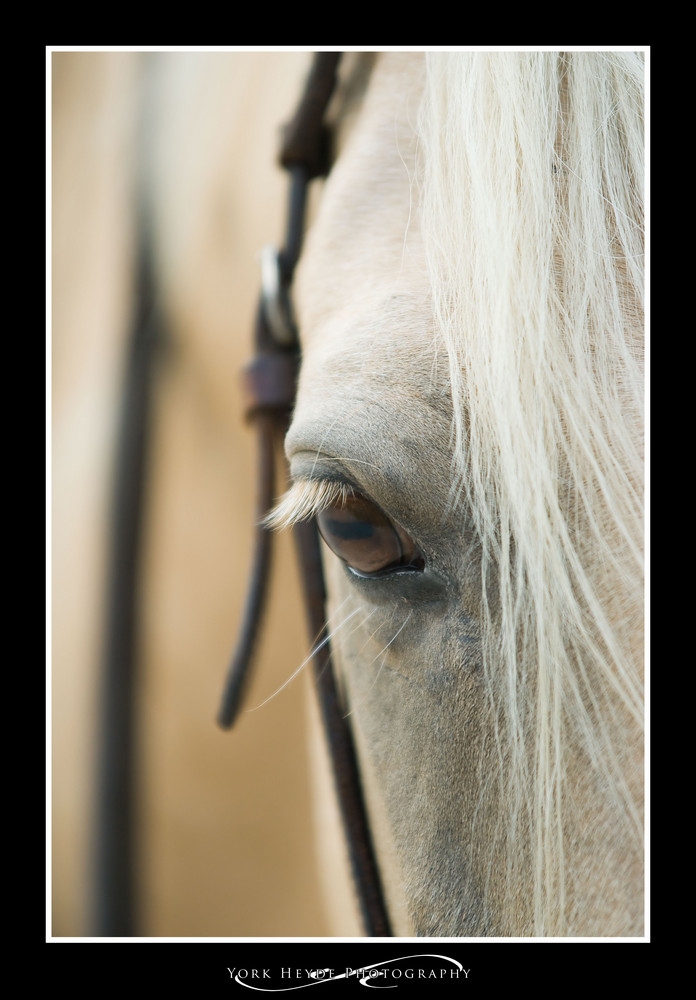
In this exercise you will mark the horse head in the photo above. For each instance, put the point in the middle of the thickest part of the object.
(467, 434)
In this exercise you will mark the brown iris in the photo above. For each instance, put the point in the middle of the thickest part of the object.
(366, 540)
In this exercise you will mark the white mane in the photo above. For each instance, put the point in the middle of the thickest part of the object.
(532, 208)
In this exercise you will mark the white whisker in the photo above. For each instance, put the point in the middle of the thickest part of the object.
(383, 651)
(304, 663)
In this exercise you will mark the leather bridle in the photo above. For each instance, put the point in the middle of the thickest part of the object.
(270, 383)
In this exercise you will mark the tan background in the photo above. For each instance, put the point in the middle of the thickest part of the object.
(227, 830)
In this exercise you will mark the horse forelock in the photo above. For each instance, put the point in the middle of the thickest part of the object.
(531, 208)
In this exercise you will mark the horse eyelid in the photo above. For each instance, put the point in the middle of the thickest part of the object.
(305, 499)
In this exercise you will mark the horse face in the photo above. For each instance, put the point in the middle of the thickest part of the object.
(374, 413)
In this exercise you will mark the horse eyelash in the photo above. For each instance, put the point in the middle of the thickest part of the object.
(304, 500)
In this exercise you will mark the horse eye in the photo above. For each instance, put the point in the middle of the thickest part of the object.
(366, 540)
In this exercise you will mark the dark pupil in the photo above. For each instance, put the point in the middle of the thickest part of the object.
(360, 534)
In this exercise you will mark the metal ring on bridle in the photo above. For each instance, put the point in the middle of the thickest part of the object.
(275, 299)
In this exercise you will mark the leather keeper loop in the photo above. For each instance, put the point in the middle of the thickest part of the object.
(269, 383)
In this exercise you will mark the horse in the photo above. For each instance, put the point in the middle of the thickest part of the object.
(467, 435)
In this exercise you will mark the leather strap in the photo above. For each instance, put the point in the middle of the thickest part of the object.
(270, 385)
